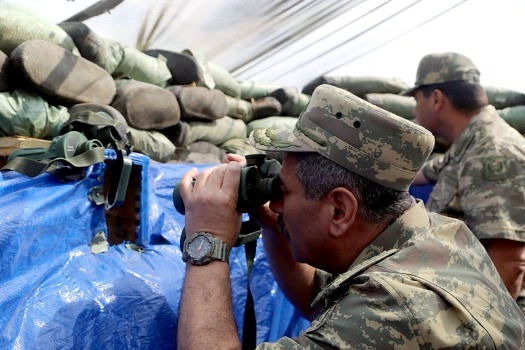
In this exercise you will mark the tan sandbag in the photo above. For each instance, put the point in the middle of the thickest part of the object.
(199, 103)
(146, 106)
(402, 106)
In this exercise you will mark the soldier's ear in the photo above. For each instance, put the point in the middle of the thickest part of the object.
(343, 210)
(437, 98)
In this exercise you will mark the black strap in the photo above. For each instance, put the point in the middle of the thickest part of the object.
(249, 327)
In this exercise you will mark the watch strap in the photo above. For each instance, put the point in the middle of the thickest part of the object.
(220, 250)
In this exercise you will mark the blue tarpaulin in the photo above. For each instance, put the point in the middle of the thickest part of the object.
(56, 294)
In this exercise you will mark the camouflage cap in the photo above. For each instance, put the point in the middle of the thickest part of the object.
(355, 134)
(444, 67)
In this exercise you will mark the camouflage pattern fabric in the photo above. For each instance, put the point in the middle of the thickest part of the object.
(443, 67)
(480, 179)
(27, 114)
(355, 134)
(425, 283)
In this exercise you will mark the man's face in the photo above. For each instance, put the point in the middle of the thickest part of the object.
(301, 219)
(424, 112)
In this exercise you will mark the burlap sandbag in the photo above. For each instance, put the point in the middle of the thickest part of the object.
(19, 23)
(217, 131)
(402, 106)
(254, 89)
(151, 143)
(515, 117)
(502, 97)
(224, 81)
(285, 122)
(359, 85)
(146, 106)
(27, 114)
(199, 103)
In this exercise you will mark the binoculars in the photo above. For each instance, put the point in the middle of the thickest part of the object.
(259, 183)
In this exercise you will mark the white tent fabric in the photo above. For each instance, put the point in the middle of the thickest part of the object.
(290, 42)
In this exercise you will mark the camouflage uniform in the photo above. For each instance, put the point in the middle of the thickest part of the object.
(480, 178)
(424, 283)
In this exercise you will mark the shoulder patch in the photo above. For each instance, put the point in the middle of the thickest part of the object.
(495, 169)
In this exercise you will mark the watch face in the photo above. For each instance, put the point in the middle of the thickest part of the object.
(199, 247)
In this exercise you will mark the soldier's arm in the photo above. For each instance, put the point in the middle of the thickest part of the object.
(509, 258)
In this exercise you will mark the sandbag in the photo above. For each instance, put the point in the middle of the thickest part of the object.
(58, 73)
(146, 106)
(400, 105)
(25, 113)
(256, 89)
(199, 103)
(239, 109)
(19, 23)
(502, 97)
(139, 66)
(515, 117)
(293, 102)
(359, 85)
(151, 143)
(217, 131)
(184, 69)
(224, 81)
(5, 80)
(204, 67)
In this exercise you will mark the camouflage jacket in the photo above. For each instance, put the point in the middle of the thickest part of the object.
(425, 283)
(480, 178)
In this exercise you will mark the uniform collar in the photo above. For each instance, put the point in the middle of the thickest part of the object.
(384, 245)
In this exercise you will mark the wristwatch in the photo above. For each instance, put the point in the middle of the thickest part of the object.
(202, 247)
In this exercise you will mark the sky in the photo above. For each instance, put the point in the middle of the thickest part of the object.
(489, 32)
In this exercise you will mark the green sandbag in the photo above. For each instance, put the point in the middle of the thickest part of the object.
(142, 67)
(151, 143)
(293, 102)
(254, 89)
(27, 114)
(360, 85)
(239, 109)
(284, 122)
(224, 81)
(5, 81)
(19, 23)
(240, 146)
(217, 131)
(202, 61)
(515, 117)
(502, 98)
(400, 105)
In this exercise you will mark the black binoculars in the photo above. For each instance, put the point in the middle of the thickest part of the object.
(259, 183)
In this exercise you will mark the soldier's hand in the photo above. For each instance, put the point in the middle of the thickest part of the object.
(230, 157)
(211, 201)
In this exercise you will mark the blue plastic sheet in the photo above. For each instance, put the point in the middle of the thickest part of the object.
(56, 294)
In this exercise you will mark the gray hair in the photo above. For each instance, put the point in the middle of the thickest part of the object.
(377, 204)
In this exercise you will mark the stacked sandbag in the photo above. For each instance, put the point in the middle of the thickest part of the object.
(515, 117)
(502, 98)
(359, 85)
(400, 105)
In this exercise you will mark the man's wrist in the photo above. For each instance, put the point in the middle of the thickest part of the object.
(203, 247)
